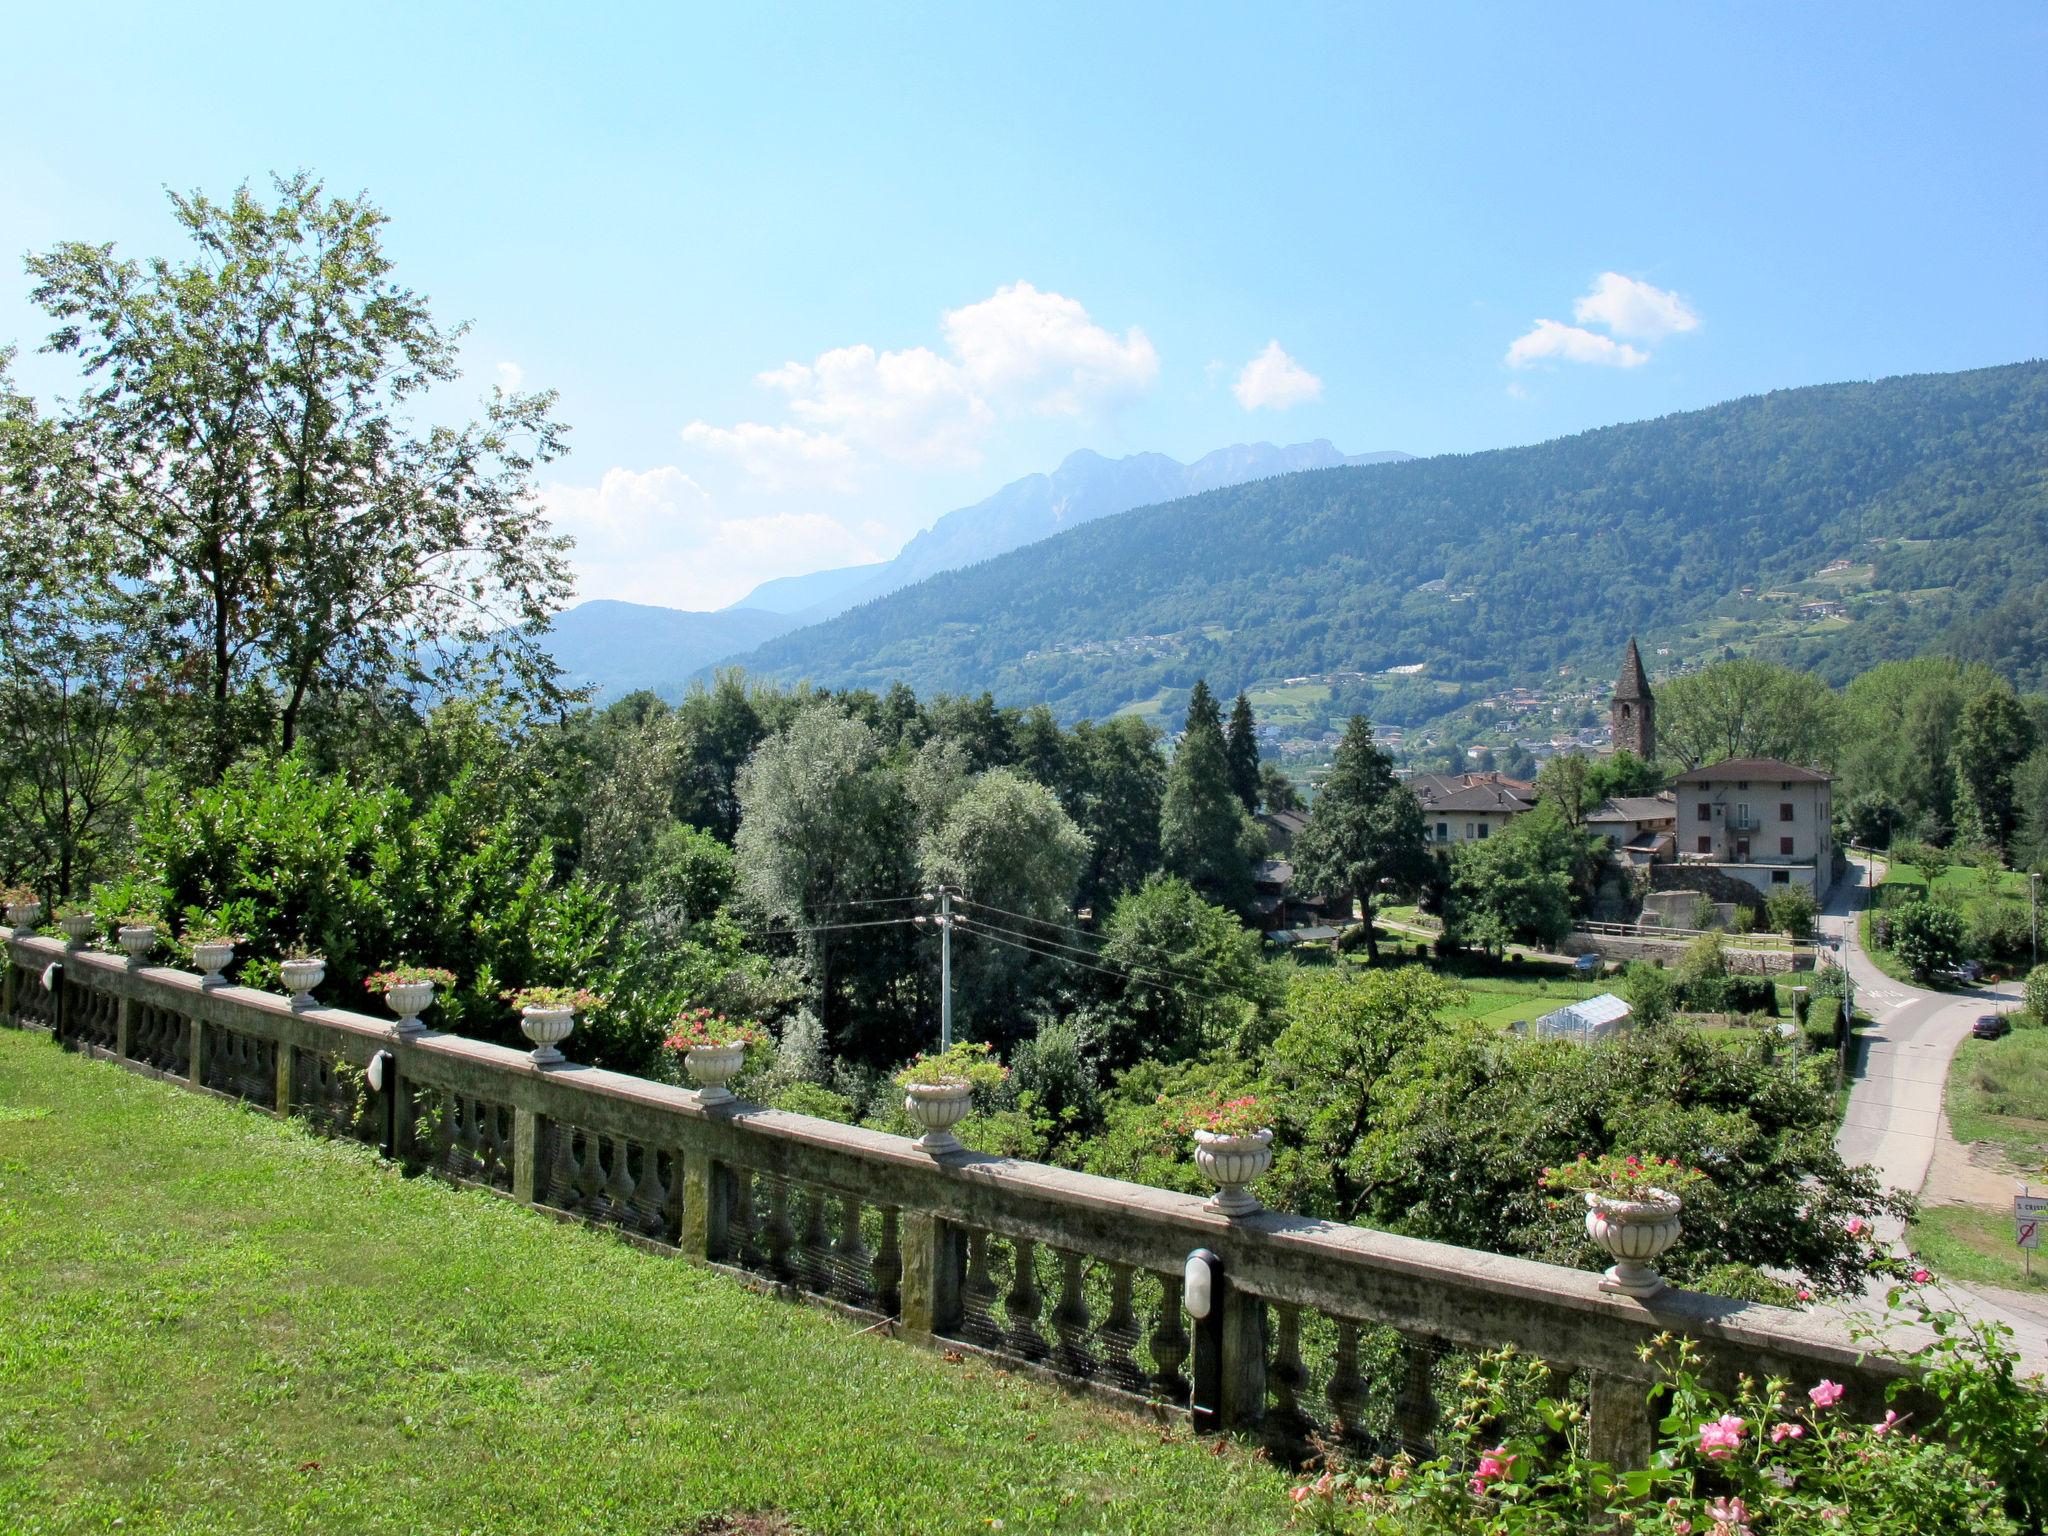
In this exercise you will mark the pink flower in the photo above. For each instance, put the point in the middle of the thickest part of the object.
(1805, 1294)
(1682, 1526)
(1827, 1394)
(1891, 1422)
(1492, 1467)
(1722, 1438)
(1299, 1495)
(1730, 1517)
(1786, 1432)
(1856, 1225)
(1921, 1277)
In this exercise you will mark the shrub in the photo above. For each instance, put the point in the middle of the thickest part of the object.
(1650, 993)
(1825, 1018)
(2037, 993)
(1792, 911)
(1928, 936)
(965, 1063)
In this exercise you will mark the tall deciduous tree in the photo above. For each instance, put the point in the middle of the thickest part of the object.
(285, 527)
(1745, 708)
(1364, 829)
(1241, 751)
(1993, 740)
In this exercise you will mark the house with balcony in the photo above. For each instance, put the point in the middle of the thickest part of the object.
(1759, 820)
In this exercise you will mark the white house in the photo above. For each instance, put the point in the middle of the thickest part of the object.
(1765, 822)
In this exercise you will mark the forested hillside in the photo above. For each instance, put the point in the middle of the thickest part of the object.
(1929, 490)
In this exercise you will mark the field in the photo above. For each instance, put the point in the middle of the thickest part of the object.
(1998, 1091)
(218, 1323)
(1976, 1247)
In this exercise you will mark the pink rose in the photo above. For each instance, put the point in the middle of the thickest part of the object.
(1827, 1394)
(1492, 1468)
(1805, 1294)
(1722, 1438)
(1921, 1277)
(1891, 1422)
(1786, 1432)
(1856, 1225)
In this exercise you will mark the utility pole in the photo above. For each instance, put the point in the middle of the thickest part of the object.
(945, 968)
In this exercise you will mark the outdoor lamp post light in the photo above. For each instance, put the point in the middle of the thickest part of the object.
(1202, 1294)
(381, 1071)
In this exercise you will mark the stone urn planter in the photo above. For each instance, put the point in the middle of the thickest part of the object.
(936, 1108)
(213, 957)
(1636, 1233)
(138, 939)
(300, 977)
(711, 1067)
(78, 927)
(547, 1028)
(408, 999)
(22, 915)
(1231, 1163)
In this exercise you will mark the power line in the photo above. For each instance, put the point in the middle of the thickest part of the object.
(1022, 918)
(989, 930)
(991, 935)
(787, 933)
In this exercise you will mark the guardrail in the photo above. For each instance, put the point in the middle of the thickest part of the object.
(1319, 1330)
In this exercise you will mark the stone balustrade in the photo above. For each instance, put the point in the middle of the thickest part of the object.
(1316, 1329)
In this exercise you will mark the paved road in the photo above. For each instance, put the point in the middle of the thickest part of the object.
(1894, 1115)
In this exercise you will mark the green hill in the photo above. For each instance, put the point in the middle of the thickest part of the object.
(1920, 504)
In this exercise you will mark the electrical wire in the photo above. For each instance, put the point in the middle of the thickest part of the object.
(1022, 918)
(789, 933)
(1026, 940)
(991, 935)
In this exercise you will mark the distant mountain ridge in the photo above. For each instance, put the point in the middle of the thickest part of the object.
(1085, 486)
(616, 647)
(1834, 526)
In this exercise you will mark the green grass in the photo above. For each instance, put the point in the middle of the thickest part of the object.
(216, 1322)
(1961, 881)
(1998, 1092)
(1975, 1247)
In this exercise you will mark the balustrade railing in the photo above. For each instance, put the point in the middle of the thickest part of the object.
(1316, 1331)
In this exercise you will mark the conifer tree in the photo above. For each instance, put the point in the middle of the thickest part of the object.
(1241, 750)
(1364, 828)
(1205, 834)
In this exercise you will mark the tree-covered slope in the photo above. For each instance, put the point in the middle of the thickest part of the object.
(1507, 565)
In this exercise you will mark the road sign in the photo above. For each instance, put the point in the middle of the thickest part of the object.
(2029, 1215)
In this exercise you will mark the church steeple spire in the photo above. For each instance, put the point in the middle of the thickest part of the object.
(1633, 711)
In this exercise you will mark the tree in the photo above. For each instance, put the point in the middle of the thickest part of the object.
(822, 826)
(1197, 980)
(1563, 781)
(283, 529)
(1364, 830)
(1121, 777)
(1276, 791)
(1241, 751)
(1622, 774)
(1508, 890)
(1004, 844)
(1792, 910)
(2030, 796)
(1994, 738)
(1745, 708)
(1651, 994)
(721, 725)
(1928, 936)
(1205, 834)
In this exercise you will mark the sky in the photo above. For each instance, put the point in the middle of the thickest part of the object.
(807, 277)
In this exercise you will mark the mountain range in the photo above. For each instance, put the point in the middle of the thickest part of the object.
(616, 647)
(1833, 525)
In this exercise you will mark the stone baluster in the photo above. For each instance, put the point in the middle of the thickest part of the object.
(563, 1173)
(978, 1310)
(1415, 1409)
(815, 1253)
(593, 1177)
(1286, 1377)
(1621, 1429)
(781, 1233)
(1170, 1343)
(647, 1207)
(618, 1186)
(1070, 1320)
(1120, 1333)
(745, 1229)
(1346, 1390)
(888, 1268)
(855, 1261)
(1024, 1302)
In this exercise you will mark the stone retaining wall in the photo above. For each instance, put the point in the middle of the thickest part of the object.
(1744, 962)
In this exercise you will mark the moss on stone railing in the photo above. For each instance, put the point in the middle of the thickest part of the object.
(1314, 1329)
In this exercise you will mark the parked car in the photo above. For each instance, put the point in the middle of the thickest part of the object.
(1991, 1026)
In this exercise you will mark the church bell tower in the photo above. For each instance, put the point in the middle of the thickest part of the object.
(1633, 711)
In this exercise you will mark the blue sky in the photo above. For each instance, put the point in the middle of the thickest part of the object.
(807, 277)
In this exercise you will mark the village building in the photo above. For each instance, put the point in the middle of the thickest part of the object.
(1465, 807)
(1642, 829)
(1759, 820)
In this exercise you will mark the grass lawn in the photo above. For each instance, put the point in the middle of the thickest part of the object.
(216, 1322)
(1998, 1091)
(1500, 999)
(1976, 1247)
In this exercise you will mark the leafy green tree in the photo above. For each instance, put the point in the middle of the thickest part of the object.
(1510, 889)
(1564, 782)
(1241, 751)
(2030, 796)
(1364, 831)
(1651, 994)
(1276, 790)
(1196, 978)
(1004, 844)
(720, 726)
(1746, 708)
(1621, 774)
(1928, 936)
(285, 531)
(1792, 910)
(1205, 834)
(1120, 790)
(1995, 737)
(823, 826)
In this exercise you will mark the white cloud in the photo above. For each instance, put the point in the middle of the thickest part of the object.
(655, 536)
(1018, 352)
(1274, 381)
(1631, 308)
(1552, 339)
(778, 458)
(510, 377)
(1041, 351)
